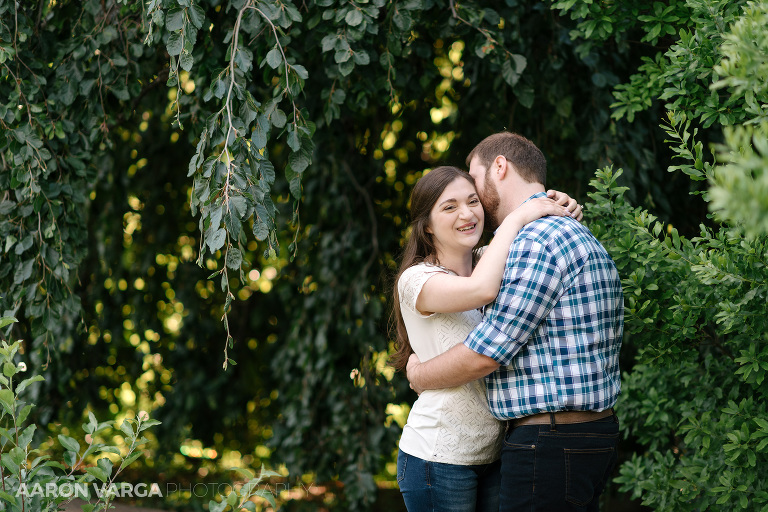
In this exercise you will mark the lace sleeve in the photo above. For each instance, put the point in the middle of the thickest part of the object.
(410, 284)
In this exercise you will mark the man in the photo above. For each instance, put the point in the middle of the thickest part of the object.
(550, 342)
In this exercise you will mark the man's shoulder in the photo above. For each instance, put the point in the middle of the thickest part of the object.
(559, 237)
(550, 228)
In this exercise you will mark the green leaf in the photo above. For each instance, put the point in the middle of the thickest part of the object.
(26, 382)
(295, 187)
(98, 473)
(301, 71)
(260, 230)
(196, 16)
(278, 118)
(214, 506)
(69, 443)
(402, 20)
(120, 92)
(216, 238)
(186, 61)
(26, 436)
(361, 58)
(175, 44)
(342, 56)
(131, 459)
(274, 58)
(328, 43)
(298, 162)
(267, 495)
(354, 17)
(7, 399)
(293, 140)
(511, 76)
(24, 414)
(7, 320)
(23, 272)
(174, 20)
(525, 95)
(239, 205)
(127, 429)
(234, 258)
(248, 474)
(8, 498)
(148, 424)
(345, 68)
(260, 132)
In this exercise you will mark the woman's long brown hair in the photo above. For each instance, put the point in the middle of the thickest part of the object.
(419, 246)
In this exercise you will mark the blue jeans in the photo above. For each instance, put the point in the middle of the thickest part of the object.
(437, 487)
(558, 469)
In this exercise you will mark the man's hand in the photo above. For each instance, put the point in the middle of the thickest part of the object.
(563, 199)
(410, 371)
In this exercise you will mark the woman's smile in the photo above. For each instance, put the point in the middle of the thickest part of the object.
(468, 228)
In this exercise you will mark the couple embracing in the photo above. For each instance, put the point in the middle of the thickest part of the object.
(513, 349)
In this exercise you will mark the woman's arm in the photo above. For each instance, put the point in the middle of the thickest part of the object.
(446, 293)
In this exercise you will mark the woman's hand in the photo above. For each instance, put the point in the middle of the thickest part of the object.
(535, 209)
(575, 209)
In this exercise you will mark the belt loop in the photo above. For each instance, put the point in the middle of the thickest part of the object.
(552, 426)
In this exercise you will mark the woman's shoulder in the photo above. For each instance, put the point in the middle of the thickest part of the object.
(414, 277)
(422, 268)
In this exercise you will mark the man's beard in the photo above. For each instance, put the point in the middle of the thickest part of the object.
(491, 201)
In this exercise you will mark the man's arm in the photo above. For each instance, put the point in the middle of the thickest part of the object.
(455, 367)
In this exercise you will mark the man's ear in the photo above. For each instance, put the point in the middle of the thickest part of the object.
(500, 164)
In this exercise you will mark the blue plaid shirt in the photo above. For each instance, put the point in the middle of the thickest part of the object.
(556, 326)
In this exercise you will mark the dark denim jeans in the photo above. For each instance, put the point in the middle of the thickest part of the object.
(558, 469)
(437, 487)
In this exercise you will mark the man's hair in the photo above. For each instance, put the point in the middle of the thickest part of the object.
(519, 151)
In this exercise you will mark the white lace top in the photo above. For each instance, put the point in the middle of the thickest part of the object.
(451, 425)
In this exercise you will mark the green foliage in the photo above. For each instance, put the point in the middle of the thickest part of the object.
(28, 475)
(696, 399)
(304, 126)
(47, 146)
(740, 185)
(240, 498)
(599, 22)
(232, 173)
(681, 73)
(744, 61)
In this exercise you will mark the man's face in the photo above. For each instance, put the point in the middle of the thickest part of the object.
(486, 189)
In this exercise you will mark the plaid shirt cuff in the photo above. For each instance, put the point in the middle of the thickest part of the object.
(489, 341)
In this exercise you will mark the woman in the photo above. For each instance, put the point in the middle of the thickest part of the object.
(449, 449)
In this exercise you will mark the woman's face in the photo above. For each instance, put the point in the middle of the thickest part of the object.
(456, 219)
